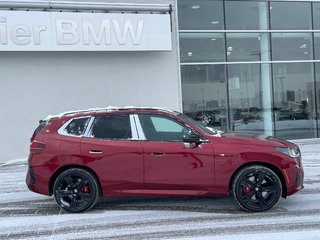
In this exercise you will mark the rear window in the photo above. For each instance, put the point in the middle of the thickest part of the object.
(76, 127)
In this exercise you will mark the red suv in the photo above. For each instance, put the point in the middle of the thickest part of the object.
(79, 156)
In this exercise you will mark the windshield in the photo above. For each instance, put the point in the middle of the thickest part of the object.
(210, 131)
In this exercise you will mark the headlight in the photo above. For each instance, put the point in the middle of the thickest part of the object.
(294, 153)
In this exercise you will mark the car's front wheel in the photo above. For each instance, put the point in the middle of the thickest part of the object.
(257, 188)
(76, 190)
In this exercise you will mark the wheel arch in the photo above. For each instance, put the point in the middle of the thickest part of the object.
(274, 168)
(66, 167)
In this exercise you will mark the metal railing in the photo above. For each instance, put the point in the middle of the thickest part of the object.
(81, 5)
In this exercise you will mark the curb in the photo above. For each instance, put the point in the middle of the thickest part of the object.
(306, 141)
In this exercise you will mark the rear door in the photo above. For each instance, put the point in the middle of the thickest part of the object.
(113, 151)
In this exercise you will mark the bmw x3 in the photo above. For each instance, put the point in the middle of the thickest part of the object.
(81, 156)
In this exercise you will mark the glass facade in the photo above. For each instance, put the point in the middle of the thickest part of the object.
(252, 66)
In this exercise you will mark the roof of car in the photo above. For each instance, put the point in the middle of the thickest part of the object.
(105, 110)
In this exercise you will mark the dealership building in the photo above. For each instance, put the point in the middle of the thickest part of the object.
(250, 66)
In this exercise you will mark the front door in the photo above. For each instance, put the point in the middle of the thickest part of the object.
(169, 163)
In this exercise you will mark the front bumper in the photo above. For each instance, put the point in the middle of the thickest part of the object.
(295, 178)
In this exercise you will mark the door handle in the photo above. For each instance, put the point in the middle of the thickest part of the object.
(158, 154)
(95, 151)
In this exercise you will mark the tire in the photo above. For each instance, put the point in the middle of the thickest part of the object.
(76, 190)
(257, 188)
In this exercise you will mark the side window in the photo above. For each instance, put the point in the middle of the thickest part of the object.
(76, 127)
(161, 128)
(165, 125)
(112, 127)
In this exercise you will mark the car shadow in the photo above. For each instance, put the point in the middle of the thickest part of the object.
(189, 204)
(48, 206)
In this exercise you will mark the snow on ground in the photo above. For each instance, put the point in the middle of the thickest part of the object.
(27, 215)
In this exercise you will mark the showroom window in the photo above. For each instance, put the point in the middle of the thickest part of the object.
(256, 69)
(317, 45)
(294, 100)
(245, 15)
(200, 15)
(248, 98)
(246, 46)
(205, 94)
(291, 46)
(317, 96)
(202, 47)
(316, 15)
(290, 15)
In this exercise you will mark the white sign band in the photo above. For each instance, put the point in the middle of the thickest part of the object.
(64, 31)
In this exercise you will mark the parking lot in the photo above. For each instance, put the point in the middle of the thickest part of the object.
(26, 215)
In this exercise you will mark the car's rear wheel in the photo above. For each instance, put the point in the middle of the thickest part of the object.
(76, 190)
(257, 188)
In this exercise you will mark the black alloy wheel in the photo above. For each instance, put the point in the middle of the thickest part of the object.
(257, 188)
(76, 190)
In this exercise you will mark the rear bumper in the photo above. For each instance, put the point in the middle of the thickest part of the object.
(34, 184)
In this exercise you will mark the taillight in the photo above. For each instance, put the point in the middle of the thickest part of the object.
(37, 147)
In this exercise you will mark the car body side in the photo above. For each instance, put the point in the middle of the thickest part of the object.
(124, 171)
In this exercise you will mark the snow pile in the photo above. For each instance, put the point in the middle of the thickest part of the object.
(19, 161)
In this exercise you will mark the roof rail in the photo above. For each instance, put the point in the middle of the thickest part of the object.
(106, 109)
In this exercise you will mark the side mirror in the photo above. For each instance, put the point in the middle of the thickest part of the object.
(192, 138)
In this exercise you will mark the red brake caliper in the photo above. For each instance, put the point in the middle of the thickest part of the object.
(246, 190)
(86, 189)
